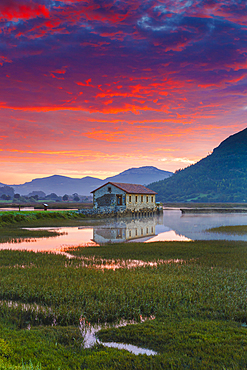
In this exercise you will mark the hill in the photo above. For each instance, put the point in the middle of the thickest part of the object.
(220, 177)
(141, 175)
(66, 185)
(59, 185)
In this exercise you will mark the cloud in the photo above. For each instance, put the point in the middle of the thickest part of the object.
(70, 70)
(15, 10)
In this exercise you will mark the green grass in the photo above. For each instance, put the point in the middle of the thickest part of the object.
(238, 229)
(199, 306)
(226, 254)
(11, 224)
(34, 218)
(205, 342)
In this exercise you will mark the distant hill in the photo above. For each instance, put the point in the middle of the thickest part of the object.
(220, 177)
(66, 185)
(59, 185)
(141, 175)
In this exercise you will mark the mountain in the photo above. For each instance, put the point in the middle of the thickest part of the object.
(141, 175)
(220, 177)
(66, 185)
(59, 185)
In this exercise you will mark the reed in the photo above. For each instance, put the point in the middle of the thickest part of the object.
(199, 306)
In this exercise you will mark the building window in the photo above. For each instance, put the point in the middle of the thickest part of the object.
(136, 232)
(142, 198)
(147, 199)
(152, 229)
(141, 231)
(147, 230)
(136, 198)
(130, 233)
(109, 189)
(152, 199)
(130, 198)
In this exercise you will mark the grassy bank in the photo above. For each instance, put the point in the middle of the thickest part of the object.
(12, 222)
(39, 204)
(34, 218)
(237, 229)
(199, 305)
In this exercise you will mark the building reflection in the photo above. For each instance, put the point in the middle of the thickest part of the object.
(126, 230)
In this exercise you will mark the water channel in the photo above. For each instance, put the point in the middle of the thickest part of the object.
(171, 226)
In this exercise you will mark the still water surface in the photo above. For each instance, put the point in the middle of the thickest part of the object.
(172, 225)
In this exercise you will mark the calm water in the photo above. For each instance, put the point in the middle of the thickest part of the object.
(172, 225)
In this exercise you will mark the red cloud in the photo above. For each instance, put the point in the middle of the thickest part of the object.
(16, 10)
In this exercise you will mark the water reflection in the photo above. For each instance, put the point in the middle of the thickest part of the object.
(195, 226)
(126, 230)
(71, 236)
(170, 226)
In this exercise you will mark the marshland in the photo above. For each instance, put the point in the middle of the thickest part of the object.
(184, 300)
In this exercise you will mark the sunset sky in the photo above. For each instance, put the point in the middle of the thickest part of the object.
(94, 87)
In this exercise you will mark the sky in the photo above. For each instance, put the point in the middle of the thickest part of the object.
(94, 87)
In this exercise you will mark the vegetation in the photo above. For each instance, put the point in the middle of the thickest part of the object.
(186, 341)
(207, 253)
(11, 223)
(34, 218)
(237, 229)
(220, 177)
(199, 305)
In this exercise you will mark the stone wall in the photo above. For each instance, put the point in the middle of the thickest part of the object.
(104, 212)
(136, 202)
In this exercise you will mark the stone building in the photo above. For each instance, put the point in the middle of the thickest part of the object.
(120, 197)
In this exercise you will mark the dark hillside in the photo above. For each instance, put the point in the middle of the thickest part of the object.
(220, 177)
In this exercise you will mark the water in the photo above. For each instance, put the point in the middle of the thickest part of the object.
(89, 333)
(172, 225)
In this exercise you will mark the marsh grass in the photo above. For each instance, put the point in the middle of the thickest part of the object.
(12, 223)
(225, 254)
(199, 306)
(13, 235)
(237, 229)
(34, 218)
(204, 341)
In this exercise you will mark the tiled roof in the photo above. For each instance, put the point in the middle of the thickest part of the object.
(130, 188)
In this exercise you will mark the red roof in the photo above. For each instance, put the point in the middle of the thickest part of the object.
(129, 188)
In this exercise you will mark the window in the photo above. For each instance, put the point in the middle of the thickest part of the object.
(147, 199)
(109, 189)
(152, 229)
(142, 198)
(130, 198)
(147, 230)
(130, 233)
(152, 199)
(136, 232)
(141, 231)
(136, 198)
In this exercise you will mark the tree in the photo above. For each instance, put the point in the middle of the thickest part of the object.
(76, 197)
(65, 197)
(17, 196)
(7, 190)
(52, 196)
